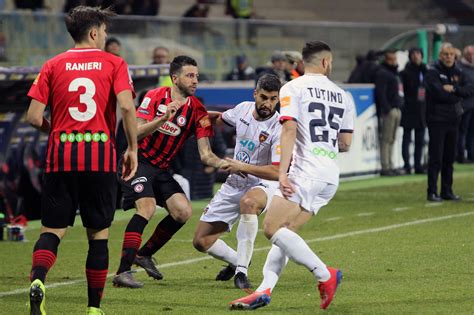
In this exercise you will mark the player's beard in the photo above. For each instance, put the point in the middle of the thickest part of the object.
(184, 90)
(264, 112)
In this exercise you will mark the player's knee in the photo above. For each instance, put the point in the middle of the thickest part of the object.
(268, 230)
(146, 210)
(248, 206)
(182, 215)
(200, 244)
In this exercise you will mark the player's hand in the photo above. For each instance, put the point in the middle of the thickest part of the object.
(235, 167)
(129, 165)
(286, 187)
(171, 109)
(448, 88)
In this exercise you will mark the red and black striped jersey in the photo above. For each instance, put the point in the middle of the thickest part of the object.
(162, 145)
(80, 86)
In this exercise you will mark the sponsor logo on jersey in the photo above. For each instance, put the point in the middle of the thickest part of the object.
(205, 122)
(141, 179)
(181, 120)
(263, 136)
(278, 149)
(285, 101)
(143, 111)
(169, 128)
(324, 153)
(36, 79)
(145, 103)
(243, 157)
(244, 121)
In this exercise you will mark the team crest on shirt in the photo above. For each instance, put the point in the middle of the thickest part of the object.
(181, 120)
(168, 128)
(138, 188)
(263, 136)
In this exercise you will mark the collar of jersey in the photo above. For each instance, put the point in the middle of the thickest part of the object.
(83, 49)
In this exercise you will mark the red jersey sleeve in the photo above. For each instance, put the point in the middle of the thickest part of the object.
(203, 123)
(123, 80)
(40, 89)
(147, 108)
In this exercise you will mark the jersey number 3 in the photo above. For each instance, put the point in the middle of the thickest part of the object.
(322, 122)
(85, 98)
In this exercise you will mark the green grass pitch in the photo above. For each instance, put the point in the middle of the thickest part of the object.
(399, 255)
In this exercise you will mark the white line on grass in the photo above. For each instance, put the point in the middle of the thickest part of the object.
(365, 214)
(401, 209)
(333, 219)
(319, 239)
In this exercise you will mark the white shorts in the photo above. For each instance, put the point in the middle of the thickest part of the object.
(310, 194)
(225, 205)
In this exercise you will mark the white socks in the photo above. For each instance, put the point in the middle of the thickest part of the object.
(246, 233)
(222, 251)
(297, 250)
(276, 261)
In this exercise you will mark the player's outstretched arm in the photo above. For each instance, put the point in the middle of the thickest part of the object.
(146, 128)
(344, 141)
(207, 156)
(269, 172)
(129, 167)
(215, 117)
(35, 116)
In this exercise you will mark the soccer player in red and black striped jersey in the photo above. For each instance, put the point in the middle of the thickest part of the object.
(167, 116)
(81, 87)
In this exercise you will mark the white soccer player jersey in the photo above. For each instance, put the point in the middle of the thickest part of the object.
(322, 110)
(257, 142)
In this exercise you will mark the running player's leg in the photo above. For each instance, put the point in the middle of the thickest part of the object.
(97, 213)
(138, 193)
(206, 240)
(251, 205)
(217, 218)
(59, 205)
(282, 213)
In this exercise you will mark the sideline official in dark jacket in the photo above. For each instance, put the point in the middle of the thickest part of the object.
(445, 90)
(413, 113)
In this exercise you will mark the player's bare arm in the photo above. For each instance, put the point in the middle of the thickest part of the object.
(35, 116)
(130, 164)
(207, 156)
(146, 127)
(344, 140)
(287, 142)
(269, 172)
(215, 117)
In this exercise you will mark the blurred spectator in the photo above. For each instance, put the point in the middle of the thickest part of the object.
(112, 45)
(193, 28)
(446, 87)
(356, 74)
(242, 71)
(161, 55)
(388, 103)
(70, 4)
(295, 61)
(413, 113)
(368, 68)
(242, 9)
(466, 128)
(278, 68)
(197, 10)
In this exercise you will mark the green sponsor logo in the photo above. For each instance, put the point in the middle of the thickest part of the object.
(79, 137)
(104, 137)
(87, 137)
(63, 137)
(96, 137)
(71, 137)
(324, 153)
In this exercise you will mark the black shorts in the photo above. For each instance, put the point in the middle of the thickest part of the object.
(93, 193)
(149, 181)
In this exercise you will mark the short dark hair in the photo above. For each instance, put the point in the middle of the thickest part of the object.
(269, 83)
(389, 52)
(179, 62)
(312, 48)
(112, 40)
(82, 18)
